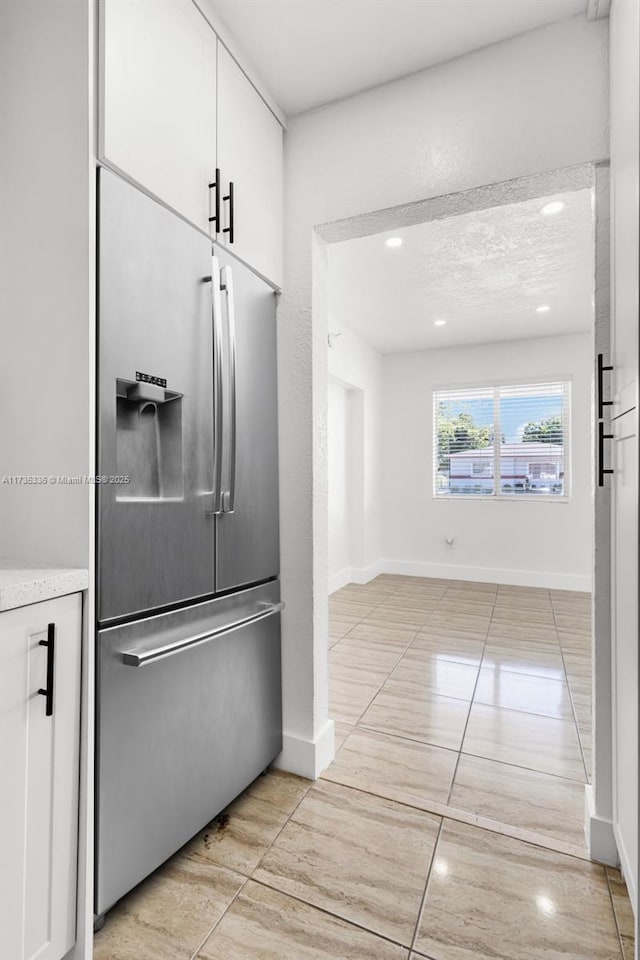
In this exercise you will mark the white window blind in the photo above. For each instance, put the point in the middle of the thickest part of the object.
(502, 441)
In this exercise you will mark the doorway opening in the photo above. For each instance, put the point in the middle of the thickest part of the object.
(465, 525)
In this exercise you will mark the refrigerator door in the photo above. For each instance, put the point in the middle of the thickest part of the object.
(247, 543)
(156, 533)
(188, 714)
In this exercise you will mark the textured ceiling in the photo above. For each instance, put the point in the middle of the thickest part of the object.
(310, 52)
(483, 272)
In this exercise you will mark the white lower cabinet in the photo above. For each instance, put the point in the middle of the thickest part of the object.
(39, 754)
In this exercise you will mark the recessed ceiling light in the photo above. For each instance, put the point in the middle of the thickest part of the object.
(394, 242)
(555, 206)
(439, 323)
(543, 309)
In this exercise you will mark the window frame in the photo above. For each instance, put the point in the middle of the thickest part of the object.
(566, 380)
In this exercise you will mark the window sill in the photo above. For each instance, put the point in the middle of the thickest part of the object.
(505, 498)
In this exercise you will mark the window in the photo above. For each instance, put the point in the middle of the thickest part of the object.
(501, 441)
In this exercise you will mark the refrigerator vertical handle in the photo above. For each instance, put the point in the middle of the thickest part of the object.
(229, 493)
(218, 402)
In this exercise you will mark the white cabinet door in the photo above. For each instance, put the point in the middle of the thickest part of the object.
(39, 780)
(250, 155)
(158, 100)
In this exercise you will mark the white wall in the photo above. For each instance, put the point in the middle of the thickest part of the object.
(535, 543)
(531, 104)
(47, 237)
(356, 366)
(340, 501)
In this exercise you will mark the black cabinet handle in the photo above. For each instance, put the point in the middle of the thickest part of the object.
(231, 198)
(602, 436)
(602, 403)
(50, 644)
(216, 186)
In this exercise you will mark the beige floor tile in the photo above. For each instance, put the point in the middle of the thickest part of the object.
(522, 691)
(528, 633)
(524, 616)
(433, 675)
(525, 740)
(239, 836)
(360, 857)
(395, 632)
(371, 653)
(341, 732)
(411, 602)
(494, 897)
(400, 616)
(348, 610)
(476, 623)
(569, 595)
(399, 711)
(263, 924)
(515, 589)
(402, 770)
(574, 623)
(537, 659)
(473, 586)
(545, 804)
(358, 666)
(457, 646)
(168, 915)
(348, 700)
(475, 605)
(623, 912)
(338, 627)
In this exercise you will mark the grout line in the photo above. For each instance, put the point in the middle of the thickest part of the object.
(475, 687)
(615, 913)
(573, 706)
(295, 809)
(434, 808)
(194, 955)
(426, 887)
(329, 913)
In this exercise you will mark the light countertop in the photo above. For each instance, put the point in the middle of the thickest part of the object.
(25, 581)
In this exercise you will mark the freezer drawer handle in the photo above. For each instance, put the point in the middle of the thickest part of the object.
(133, 659)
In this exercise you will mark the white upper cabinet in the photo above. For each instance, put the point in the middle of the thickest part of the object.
(158, 100)
(40, 657)
(249, 156)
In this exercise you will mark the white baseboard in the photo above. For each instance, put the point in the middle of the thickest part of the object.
(625, 867)
(520, 578)
(601, 841)
(340, 579)
(307, 758)
(354, 575)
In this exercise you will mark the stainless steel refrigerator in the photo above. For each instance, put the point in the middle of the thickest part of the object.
(188, 635)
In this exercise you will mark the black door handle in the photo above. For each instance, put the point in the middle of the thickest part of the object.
(602, 403)
(216, 186)
(50, 644)
(232, 206)
(602, 436)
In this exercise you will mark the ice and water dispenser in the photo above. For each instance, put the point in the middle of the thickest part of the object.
(149, 439)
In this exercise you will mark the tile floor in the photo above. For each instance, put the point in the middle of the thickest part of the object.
(448, 826)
